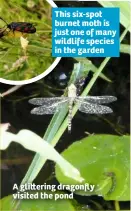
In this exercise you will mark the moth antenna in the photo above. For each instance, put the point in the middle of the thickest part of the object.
(4, 20)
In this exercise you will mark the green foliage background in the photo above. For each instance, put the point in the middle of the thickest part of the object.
(39, 49)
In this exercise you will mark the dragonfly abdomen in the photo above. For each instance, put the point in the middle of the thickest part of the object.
(70, 116)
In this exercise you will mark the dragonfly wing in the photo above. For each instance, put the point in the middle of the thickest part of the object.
(97, 99)
(43, 110)
(94, 108)
(47, 109)
(47, 101)
(50, 109)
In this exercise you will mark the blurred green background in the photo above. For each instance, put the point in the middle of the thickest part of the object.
(16, 63)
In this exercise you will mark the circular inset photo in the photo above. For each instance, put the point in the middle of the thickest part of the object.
(25, 41)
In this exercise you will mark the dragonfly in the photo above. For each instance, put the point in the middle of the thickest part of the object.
(87, 104)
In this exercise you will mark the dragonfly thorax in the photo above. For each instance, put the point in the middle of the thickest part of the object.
(72, 91)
